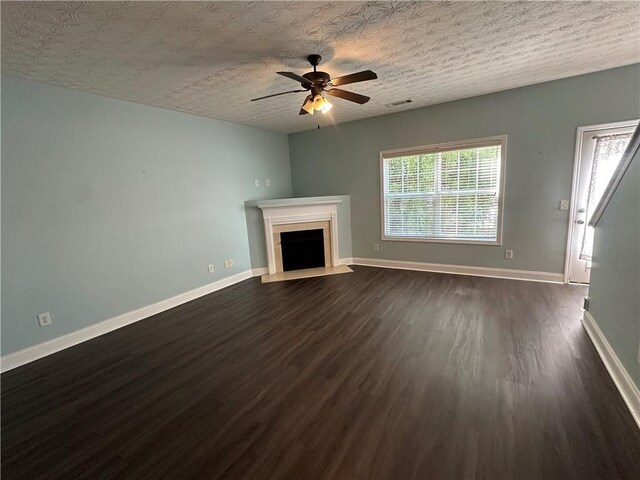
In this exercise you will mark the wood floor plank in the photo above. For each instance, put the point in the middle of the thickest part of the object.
(381, 374)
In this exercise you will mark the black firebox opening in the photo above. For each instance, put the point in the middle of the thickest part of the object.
(303, 249)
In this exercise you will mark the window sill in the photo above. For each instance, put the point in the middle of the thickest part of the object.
(442, 240)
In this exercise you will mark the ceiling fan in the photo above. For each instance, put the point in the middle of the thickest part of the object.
(318, 83)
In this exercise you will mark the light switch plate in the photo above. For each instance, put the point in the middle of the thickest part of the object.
(564, 204)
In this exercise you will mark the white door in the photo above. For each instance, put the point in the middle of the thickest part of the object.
(599, 149)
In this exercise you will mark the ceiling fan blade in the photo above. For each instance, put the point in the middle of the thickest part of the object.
(353, 78)
(296, 77)
(352, 97)
(276, 94)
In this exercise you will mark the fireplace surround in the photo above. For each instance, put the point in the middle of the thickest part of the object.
(292, 216)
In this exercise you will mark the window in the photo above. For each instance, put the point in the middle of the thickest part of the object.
(444, 193)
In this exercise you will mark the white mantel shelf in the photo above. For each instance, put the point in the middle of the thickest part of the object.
(294, 202)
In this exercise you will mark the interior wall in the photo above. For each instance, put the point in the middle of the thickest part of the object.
(540, 122)
(615, 275)
(109, 206)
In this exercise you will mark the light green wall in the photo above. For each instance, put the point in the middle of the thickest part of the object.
(615, 276)
(108, 206)
(540, 122)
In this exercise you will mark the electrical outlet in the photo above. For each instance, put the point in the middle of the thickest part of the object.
(267, 182)
(508, 254)
(257, 182)
(564, 204)
(226, 263)
(44, 319)
(211, 269)
(376, 247)
(230, 262)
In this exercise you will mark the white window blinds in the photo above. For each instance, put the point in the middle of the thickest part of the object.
(445, 193)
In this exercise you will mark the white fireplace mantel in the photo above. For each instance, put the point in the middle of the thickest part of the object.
(298, 210)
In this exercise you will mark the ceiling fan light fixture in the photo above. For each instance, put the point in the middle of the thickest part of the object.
(321, 104)
(308, 105)
(326, 106)
(318, 102)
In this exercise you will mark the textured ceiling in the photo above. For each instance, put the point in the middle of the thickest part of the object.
(210, 58)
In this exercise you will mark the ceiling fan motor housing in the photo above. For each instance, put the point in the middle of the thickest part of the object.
(318, 78)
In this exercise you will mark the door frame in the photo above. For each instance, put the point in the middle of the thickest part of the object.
(576, 176)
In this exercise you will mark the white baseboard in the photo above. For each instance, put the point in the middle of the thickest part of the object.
(626, 386)
(41, 350)
(528, 275)
(345, 261)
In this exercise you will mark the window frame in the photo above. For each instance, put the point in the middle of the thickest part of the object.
(447, 146)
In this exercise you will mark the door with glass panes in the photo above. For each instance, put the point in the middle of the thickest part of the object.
(601, 150)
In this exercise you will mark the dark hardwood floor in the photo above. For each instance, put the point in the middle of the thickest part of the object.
(372, 375)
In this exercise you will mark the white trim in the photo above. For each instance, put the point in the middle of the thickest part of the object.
(528, 275)
(627, 388)
(293, 202)
(572, 202)
(345, 261)
(577, 160)
(442, 240)
(299, 213)
(446, 146)
(287, 219)
(29, 354)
